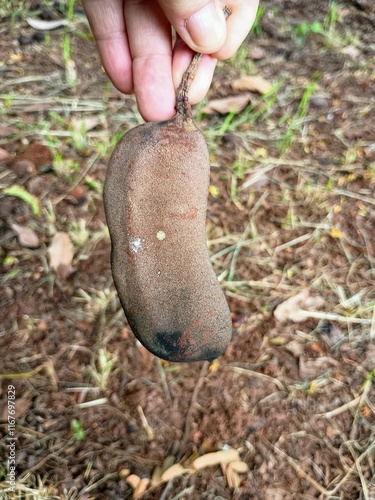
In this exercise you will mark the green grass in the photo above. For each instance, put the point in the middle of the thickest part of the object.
(295, 122)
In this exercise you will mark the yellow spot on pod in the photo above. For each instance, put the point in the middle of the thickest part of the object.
(160, 235)
(213, 190)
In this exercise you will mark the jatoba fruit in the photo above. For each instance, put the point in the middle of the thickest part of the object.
(155, 198)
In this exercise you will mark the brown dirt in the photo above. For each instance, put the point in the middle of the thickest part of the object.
(308, 222)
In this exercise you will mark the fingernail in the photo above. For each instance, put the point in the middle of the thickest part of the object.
(207, 27)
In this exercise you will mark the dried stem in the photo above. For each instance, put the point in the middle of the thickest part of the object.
(182, 101)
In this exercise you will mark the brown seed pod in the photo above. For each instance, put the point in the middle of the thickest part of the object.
(155, 198)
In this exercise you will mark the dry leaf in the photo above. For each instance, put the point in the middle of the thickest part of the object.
(297, 308)
(233, 479)
(22, 405)
(86, 124)
(156, 476)
(239, 466)
(216, 458)
(61, 252)
(141, 487)
(26, 236)
(6, 131)
(296, 348)
(175, 471)
(313, 368)
(4, 155)
(335, 233)
(133, 480)
(253, 83)
(257, 53)
(230, 104)
(214, 366)
(40, 25)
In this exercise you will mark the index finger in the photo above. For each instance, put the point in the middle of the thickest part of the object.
(107, 23)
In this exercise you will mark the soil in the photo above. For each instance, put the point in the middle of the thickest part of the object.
(291, 210)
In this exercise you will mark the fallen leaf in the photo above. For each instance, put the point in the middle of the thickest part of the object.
(314, 368)
(61, 252)
(77, 196)
(214, 366)
(21, 407)
(26, 236)
(297, 308)
(23, 167)
(232, 104)
(6, 131)
(252, 83)
(15, 58)
(279, 340)
(39, 24)
(233, 479)
(20, 192)
(239, 466)
(335, 233)
(296, 348)
(175, 471)
(141, 487)
(168, 462)
(257, 53)
(85, 124)
(133, 480)
(4, 155)
(213, 191)
(216, 458)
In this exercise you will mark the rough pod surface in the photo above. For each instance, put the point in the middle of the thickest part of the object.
(155, 198)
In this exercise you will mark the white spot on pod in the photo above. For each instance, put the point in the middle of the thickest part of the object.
(135, 244)
(160, 235)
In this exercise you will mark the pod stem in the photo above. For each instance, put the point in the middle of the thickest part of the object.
(183, 107)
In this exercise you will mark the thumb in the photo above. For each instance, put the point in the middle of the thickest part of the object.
(200, 23)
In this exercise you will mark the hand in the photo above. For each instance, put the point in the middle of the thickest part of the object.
(135, 44)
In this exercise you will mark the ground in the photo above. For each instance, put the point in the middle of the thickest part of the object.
(291, 212)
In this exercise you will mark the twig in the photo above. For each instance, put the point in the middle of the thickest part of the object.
(163, 379)
(244, 236)
(300, 471)
(251, 373)
(336, 317)
(78, 180)
(190, 412)
(293, 242)
(341, 409)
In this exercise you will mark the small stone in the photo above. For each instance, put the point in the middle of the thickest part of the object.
(319, 102)
(77, 196)
(257, 53)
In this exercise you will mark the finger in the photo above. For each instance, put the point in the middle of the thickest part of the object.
(200, 23)
(182, 56)
(149, 34)
(108, 26)
(239, 24)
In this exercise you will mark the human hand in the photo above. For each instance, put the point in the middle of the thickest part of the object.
(134, 39)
